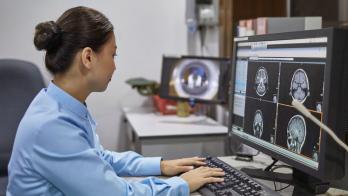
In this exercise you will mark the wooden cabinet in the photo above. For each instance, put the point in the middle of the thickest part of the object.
(328, 9)
(231, 11)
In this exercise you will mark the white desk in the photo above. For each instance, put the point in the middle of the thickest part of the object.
(261, 161)
(171, 136)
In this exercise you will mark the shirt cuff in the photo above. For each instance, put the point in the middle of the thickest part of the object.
(153, 165)
(179, 184)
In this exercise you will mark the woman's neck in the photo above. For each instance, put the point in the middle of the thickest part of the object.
(73, 86)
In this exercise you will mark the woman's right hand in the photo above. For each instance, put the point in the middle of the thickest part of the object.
(201, 176)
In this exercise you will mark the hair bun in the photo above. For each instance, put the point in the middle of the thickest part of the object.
(47, 35)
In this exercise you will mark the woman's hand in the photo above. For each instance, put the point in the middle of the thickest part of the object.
(177, 166)
(202, 175)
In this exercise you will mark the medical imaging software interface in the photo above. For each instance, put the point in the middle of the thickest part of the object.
(269, 75)
(194, 78)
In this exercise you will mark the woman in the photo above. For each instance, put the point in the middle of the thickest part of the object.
(57, 151)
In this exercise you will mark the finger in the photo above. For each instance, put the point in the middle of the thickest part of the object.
(200, 163)
(208, 169)
(216, 169)
(212, 180)
(213, 174)
(198, 158)
(192, 161)
(194, 158)
(202, 169)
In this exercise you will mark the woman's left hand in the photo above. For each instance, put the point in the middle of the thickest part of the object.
(177, 166)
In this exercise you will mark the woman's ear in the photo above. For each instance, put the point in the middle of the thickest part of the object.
(87, 57)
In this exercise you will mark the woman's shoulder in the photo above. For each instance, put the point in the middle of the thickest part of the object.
(44, 112)
(46, 120)
(41, 109)
(52, 129)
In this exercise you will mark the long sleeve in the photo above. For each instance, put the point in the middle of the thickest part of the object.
(131, 163)
(74, 168)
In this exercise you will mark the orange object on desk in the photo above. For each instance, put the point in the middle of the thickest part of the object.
(164, 106)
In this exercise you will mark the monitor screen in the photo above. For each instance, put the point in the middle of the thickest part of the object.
(269, 72)
(202, 79)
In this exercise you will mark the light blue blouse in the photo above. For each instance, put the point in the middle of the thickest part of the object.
(57, 152)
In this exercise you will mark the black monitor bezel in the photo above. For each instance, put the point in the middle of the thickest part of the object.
(223, 87)
(327, 100)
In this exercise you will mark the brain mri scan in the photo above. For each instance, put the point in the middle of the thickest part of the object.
(261, 81)
(296, 133)
(258, 124)
(195, 78)
(299, 87)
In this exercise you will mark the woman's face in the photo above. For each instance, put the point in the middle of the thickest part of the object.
(104, 65)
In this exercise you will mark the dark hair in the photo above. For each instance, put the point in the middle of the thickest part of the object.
(77, 28)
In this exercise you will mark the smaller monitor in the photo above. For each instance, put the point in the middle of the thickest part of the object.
(193, 78)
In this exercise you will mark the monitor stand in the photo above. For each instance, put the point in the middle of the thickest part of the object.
(303, 183)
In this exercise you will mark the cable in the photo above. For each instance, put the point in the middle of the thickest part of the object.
(287, 186)
(202, 32)
(269, 167)
(281, 166)
(301, 108)
(274, 182)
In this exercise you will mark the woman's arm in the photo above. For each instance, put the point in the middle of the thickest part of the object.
(131, 163)
(62, 154)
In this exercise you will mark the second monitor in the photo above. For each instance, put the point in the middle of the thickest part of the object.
(193, 78)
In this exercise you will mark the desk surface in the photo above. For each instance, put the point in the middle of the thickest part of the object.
(262, 161)
(146, 123)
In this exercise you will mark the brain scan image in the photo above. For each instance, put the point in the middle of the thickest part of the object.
(296, 133)
(299, 87)
(196, 78)
(258, 124)
(261, 81)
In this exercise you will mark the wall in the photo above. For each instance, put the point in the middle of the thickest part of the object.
(144, 31)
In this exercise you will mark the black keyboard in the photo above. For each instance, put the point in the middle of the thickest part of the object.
(235, 182)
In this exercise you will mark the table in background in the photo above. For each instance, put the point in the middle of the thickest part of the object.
(170, 136)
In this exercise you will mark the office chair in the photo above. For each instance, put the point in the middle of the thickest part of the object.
(20, 81)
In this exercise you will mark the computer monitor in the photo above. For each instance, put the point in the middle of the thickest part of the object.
(194, 78)
(268, 72)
